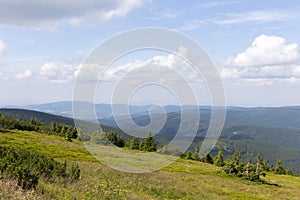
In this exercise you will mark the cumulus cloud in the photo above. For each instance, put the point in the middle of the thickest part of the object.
(2, 47)
(58, 73)
(52, 13)
(24, 75)
(266, 50)
(267, 59)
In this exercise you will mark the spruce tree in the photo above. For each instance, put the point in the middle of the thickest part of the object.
(219, 159)
(209, 159)
(148, 143)
(134, 143)
(279, 169)
(188, 155)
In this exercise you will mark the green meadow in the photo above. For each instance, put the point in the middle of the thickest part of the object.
(183, 179)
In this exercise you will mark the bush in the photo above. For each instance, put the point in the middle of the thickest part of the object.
(28, 167)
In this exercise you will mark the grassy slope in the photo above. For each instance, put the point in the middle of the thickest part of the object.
(181, 180)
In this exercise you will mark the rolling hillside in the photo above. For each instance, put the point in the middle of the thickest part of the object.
(45, 118)
(255, 134)
(183, 179)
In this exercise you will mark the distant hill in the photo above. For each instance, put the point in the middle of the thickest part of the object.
(283, 117)
(45, 118)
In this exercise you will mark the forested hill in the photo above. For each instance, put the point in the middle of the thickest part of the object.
(45, 118)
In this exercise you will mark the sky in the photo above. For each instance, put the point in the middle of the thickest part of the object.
(254, 45)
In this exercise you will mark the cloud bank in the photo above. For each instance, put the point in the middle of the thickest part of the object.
(58, 73)
(49, 13)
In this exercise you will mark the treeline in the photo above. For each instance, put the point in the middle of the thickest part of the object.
(112, 137)
(11, 123)
(235, 166)
(28, 167)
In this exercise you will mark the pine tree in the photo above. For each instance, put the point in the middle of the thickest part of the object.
(288, 171)
(209, 159)
(115, 139)
(265, 166)
(219, 159)
(148, 143)
(234, 165)
(279, 169)
(134, 143)
(188, 155)
(195, 155)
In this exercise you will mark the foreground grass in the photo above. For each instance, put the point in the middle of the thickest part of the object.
(181, 180)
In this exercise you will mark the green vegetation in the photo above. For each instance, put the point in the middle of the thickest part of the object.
(148, 143)
(11, 123)
(45, 118)
(28, 167)
(235, 166)
(47, 166)
(184, 179)
(112, 137)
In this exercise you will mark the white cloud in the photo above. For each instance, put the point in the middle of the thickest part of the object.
(3, 76)
(268, 60)
(271, 72)
(227, 19)
(58, 73)
(194, 24)
(266, 50)
(259, 16)
(166, 62)
(169, 61)
(210, 4)
(2, 47)
(52, 13)
(24, 75)
(62, 73)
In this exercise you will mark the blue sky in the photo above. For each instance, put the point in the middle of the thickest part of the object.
(255, 45)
